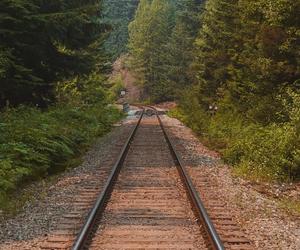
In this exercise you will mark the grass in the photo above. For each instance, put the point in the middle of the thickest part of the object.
(290, 205)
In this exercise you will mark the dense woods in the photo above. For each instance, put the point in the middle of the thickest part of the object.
(117, 14)
(161, 44)
(53, 91)
(42, 43)
(234, 67)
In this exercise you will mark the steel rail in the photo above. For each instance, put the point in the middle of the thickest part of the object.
(195, 199)
(100, 203)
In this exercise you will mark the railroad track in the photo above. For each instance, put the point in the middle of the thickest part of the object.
(149, 201)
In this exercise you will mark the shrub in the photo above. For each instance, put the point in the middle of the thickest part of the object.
(263, 152)
(117, 86)
(268, 152)
(34, 144)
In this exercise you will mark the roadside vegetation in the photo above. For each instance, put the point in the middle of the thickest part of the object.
(233, 68)
(261, 153)
(117, 14)
(54, 90)
(36, 144)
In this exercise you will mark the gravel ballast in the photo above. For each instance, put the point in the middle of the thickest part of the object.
(50, 201)
(259, 215)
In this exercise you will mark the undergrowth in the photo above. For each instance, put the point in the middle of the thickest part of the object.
(35, 144)
(258, 152)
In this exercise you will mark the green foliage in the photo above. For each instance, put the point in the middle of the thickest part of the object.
(245, 59)
(117, 86)
(263, 152)
(149, 35)
(212, 50)
(41, 43)
(269, 152)
(180, 48)
(118, 14)
(53, 100)
(34, 144)
(247, 51)
(82, 90)
(161, 41)
(196, 118)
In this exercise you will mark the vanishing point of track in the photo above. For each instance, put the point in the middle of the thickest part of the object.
(147, 202)
(143, 204)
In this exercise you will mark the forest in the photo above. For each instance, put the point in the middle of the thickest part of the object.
(54, 92)
(231, 66)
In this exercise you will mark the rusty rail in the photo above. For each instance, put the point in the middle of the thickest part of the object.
(100, 203)
(195, 199)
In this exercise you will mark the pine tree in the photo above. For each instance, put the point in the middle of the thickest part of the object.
(246, 55)
(149, 35)
(42, 42)
(181, 46)
(214, 47)
(118, 14)
(267, 57)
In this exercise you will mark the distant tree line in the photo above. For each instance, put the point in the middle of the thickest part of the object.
(242, 50)
(117, 14)
(161, 45)
(238, 57)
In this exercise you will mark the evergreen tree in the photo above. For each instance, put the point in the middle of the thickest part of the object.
(149, 35)
(180, 56)
(214, 46)
(267, 57)
(42, 42)
(118, 14)
(246, 54)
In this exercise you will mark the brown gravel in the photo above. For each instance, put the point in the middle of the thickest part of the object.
(148, 208)
(257, 212)
(260, 216)
(166, 105)
(40, 216)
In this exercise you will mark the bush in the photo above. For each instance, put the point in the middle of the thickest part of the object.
(263, 152)
(117, 85)
(81, 90)
(34, 144)
(266, 152)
